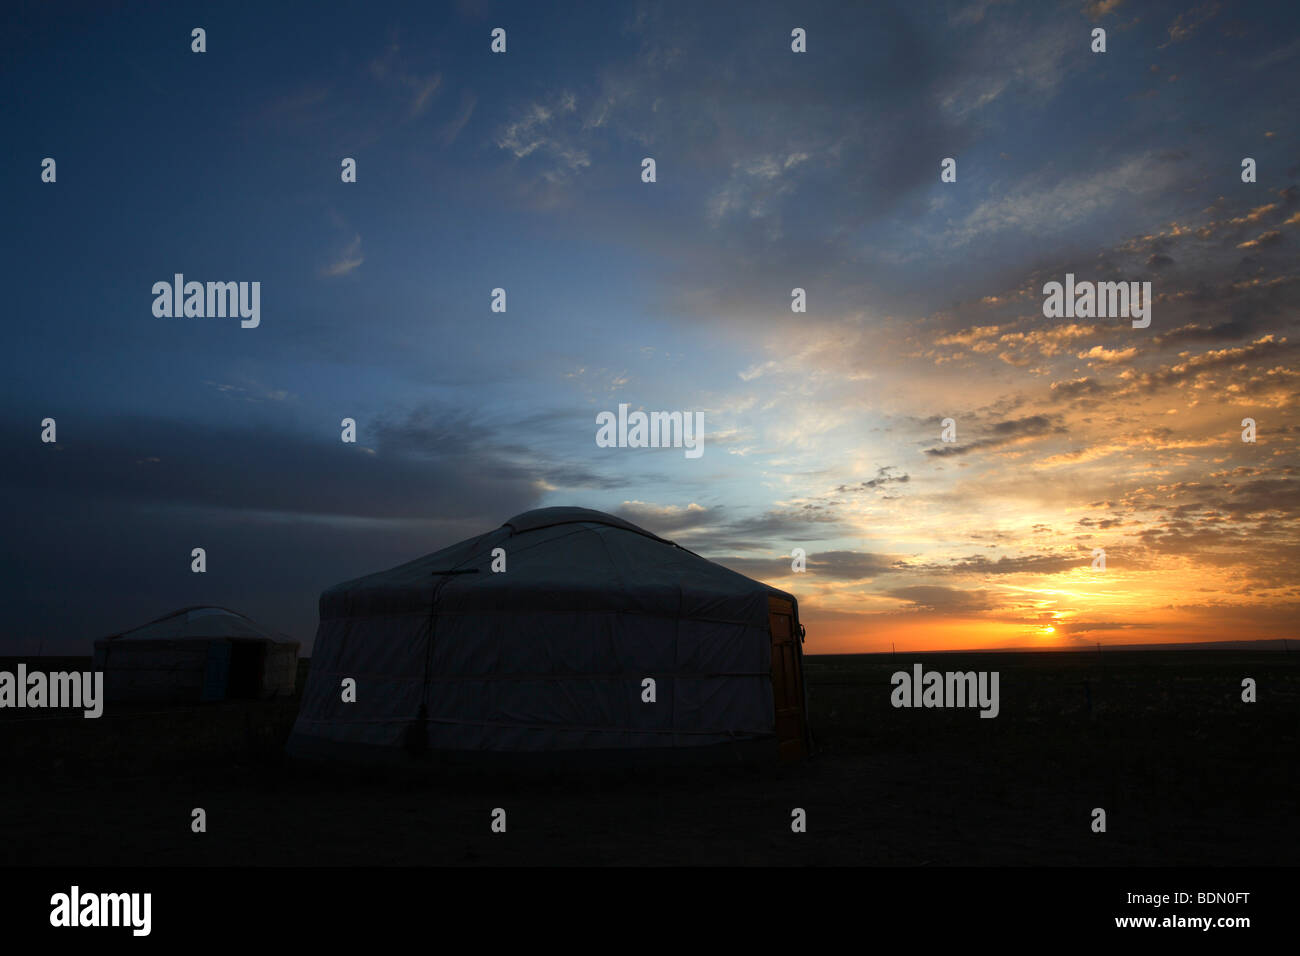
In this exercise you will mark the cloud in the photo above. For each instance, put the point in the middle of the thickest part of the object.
(348, 262)
(1083, 387)
(468, 101)
(1045, 208)
(540, 132)
(980, 565)
(281, 514)
(1196, 369)
(968, 337)
(1105, 356)
(1277, 55)
(1269, 238)
(1049, 341)
(886, 475)
(664, 519)
(821, 565)
(944, 599)
(1001, 434)
(1096, 9)
(756, 188)
(806, 522)
(425, 88)
(1191, 20)
(454, 466)
(1020, 59)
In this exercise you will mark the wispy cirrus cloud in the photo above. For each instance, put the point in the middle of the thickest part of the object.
(347, 262)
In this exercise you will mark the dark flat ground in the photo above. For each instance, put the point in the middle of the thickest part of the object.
(1187, 773)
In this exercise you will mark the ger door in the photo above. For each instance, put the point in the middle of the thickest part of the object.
(787, 680)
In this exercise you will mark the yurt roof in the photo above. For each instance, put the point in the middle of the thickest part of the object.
(556, 559)
(551, 517)
(199, 622)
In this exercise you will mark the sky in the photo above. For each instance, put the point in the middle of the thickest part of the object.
(774, 170)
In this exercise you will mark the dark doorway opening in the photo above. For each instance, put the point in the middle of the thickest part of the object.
(246, 661)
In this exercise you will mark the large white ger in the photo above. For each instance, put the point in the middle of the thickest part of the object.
(554, 653)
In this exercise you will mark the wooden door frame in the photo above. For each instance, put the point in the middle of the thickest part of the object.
(790, 609)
